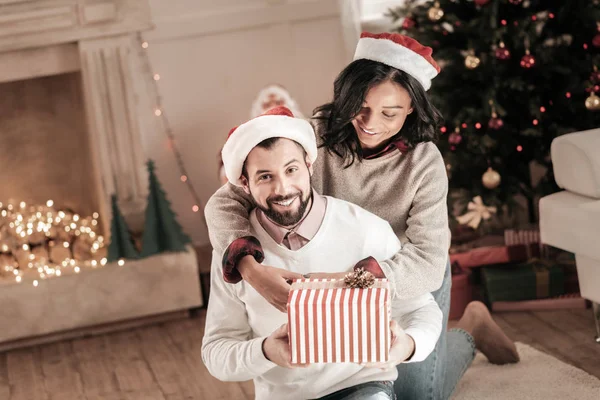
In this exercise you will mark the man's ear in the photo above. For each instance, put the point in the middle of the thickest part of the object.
(309, 165)
(245, 184)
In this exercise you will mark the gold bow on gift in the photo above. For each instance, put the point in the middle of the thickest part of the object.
(477, 212)
(359, 279)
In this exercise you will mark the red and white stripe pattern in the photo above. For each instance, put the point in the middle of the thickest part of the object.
(331, 323)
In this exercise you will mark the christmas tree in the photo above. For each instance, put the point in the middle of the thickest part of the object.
(515, 75)
(162, 232)
(121, 245)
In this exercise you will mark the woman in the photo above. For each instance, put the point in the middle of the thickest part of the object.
(377, 152)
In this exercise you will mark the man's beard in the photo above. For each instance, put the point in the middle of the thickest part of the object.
(286, 218)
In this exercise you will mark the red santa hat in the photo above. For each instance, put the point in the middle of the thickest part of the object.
(277, 122)
(401, 52)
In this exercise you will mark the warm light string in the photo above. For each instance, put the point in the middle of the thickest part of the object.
(28, 229)
(159, 111)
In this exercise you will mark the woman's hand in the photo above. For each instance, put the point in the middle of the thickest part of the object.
(270, 282)
(327, 275)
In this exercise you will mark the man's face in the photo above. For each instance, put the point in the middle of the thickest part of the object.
(279, 181)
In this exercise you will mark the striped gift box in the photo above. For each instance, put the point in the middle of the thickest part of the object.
(331, 323)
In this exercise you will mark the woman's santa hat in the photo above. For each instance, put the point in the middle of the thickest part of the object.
(277, 122)
(401, 52)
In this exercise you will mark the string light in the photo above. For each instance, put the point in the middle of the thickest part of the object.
(159, 111)
(39, 234)
(519, 148)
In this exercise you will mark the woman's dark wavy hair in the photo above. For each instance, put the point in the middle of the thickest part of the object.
(349, 92)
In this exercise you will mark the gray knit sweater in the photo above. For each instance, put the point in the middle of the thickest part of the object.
(406, 189)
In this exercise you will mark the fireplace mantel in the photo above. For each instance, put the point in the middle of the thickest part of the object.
(37, 23)
(99, 38)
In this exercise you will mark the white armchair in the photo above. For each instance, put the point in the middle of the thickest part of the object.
(570, 219)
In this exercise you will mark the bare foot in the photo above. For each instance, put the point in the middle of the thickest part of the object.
(489, 337)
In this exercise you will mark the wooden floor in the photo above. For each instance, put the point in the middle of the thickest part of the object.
(162, 362)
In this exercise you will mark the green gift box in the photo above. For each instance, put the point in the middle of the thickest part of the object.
(535, 280)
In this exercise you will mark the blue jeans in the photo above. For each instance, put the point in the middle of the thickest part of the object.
(383, 390)
(437, 376)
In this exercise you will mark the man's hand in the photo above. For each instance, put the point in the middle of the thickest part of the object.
(276, 348)
(270, 282)
(401, 349)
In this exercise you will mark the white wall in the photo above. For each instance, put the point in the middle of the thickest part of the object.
(213, 57)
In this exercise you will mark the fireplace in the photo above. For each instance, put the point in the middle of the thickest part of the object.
(74, 105)
(45, 152)
(72, 109)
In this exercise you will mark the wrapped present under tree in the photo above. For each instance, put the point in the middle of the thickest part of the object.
(538, 279)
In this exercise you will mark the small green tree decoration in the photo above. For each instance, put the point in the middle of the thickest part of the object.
(162, 232)
(121, 245)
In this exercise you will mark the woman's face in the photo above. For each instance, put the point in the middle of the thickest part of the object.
(382, 114)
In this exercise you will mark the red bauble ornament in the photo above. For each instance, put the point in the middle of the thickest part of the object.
(527, 61)
(515, 1)
(481, 2)
(502, 52)
(495, 122)
(408, 23)
(455, 138)
(595, 77)
(596, 40)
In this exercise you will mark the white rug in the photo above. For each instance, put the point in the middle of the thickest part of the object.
(536, 376)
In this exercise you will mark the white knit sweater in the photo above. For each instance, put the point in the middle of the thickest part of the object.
(239, 319)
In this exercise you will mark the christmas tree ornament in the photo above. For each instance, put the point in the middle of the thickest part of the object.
(476, 212)
(455, 137)
(435, 13)
(481, 2)
(527, 61)
(502, 52)
(596, 40)
(471, 60)
(595, 76)
(495, 122)
(408, 22)
(491, 178)
(592, 103)
(516, 2)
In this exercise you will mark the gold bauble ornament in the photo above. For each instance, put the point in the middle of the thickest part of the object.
(472, 61)
(435, 13)
(592, 103)
(491, 179)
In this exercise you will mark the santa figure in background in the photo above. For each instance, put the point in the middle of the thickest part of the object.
(269, 97)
